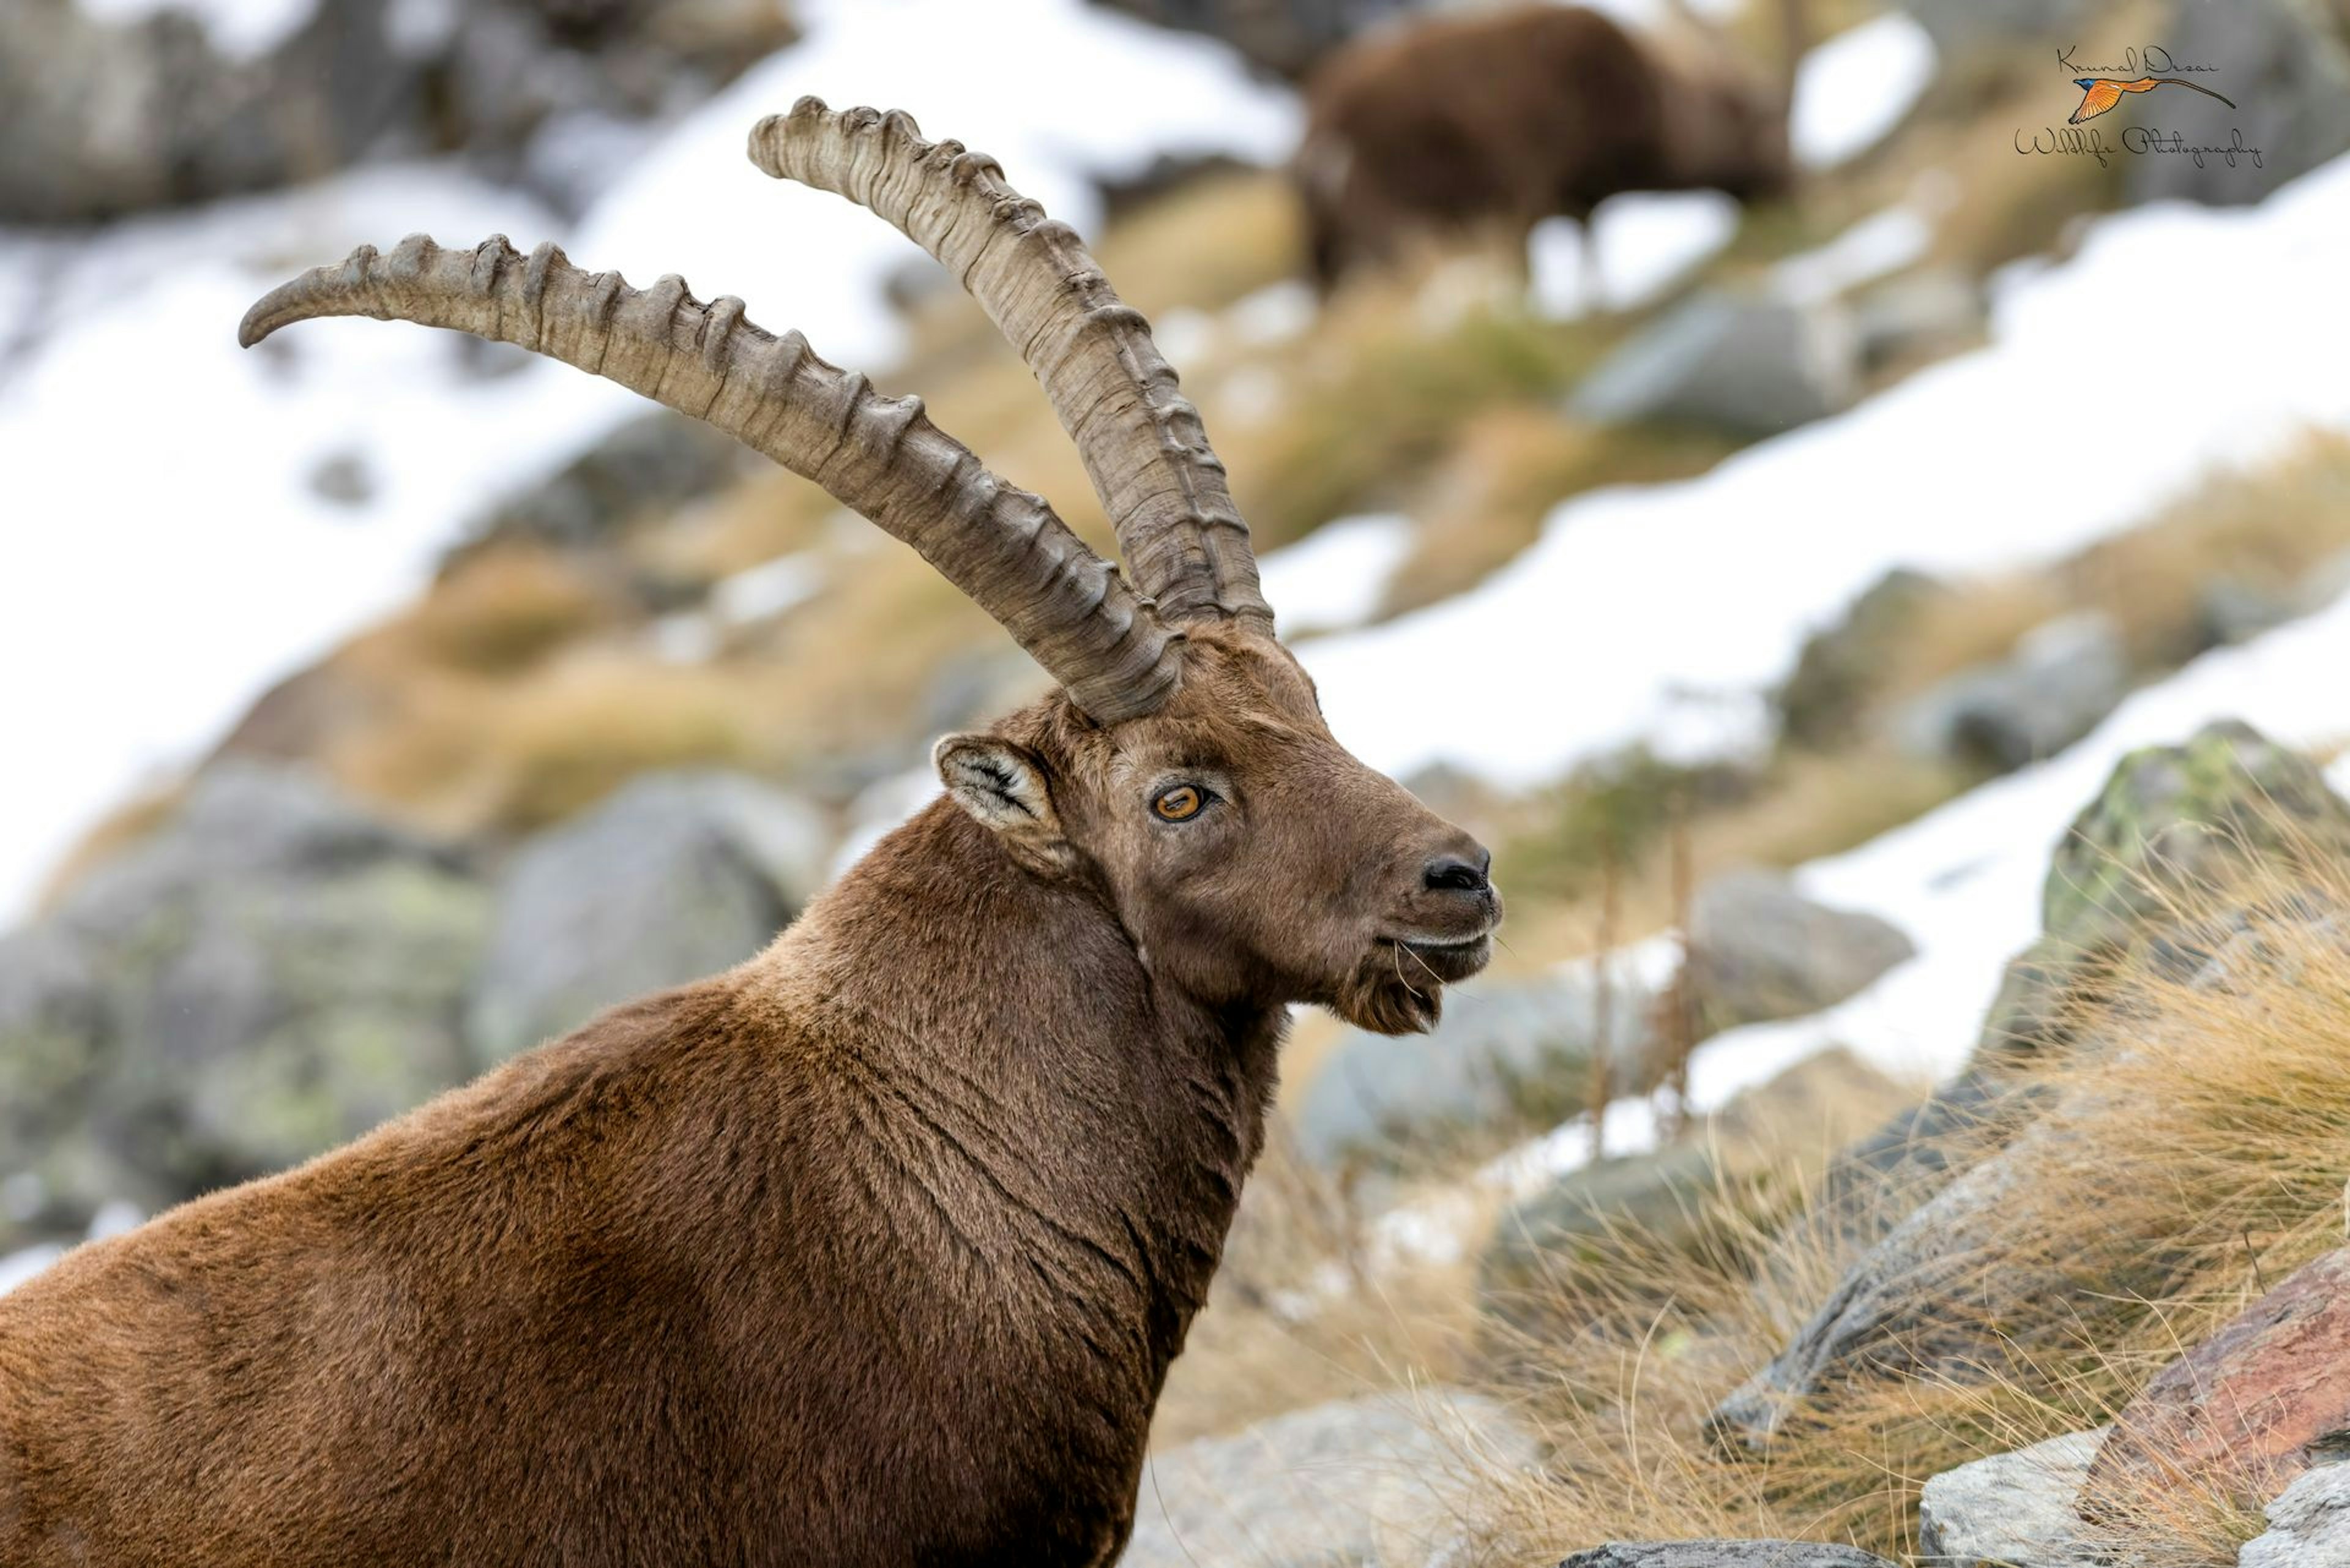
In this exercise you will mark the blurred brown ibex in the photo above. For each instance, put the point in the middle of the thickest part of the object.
(1493, 122)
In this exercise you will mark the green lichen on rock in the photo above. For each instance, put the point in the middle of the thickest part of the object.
(271, 972)
(2174, 821)
(2173, 827)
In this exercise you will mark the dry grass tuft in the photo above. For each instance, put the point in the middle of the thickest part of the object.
(503, 607)
(511, 757)
(2195, 1153)
(1297, 1317)
(1382, 396)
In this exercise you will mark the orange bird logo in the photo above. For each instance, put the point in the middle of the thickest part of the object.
(2099, 94)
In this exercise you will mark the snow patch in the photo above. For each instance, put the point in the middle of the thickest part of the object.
(1668, 610)
(1855, 88)
(1646, 241)
(1873, 248)
(18, 1267)
(1336, 576)
(185, 561)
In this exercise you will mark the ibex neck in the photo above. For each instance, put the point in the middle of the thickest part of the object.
(1040, 1085)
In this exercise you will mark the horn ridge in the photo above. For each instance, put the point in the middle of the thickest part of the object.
(878, 455)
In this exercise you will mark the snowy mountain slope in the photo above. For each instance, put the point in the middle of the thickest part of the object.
(2176, 340)
(168, 553)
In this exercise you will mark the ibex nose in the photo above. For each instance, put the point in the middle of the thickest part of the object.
(1455, 872)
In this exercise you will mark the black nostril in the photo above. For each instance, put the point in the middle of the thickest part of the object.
(1458, 874)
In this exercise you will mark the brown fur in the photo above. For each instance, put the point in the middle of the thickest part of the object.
(873, 1251)
(1499, 120)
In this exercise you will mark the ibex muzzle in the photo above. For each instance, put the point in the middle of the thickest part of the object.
(873, 1251)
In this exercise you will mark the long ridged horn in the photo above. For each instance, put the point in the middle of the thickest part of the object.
(880, 456)
(1142, 442)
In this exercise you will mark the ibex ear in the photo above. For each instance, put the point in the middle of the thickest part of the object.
(1002, 784)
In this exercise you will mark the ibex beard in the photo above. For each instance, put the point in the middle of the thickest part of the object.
(875, 1250)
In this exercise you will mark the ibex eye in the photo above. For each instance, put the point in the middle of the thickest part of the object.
(1179, 804)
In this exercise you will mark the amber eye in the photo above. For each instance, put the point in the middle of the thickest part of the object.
(1179, 804)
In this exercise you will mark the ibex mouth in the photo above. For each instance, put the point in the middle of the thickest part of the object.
(1447, 961)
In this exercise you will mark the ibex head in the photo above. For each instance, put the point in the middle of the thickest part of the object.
(1182, 770)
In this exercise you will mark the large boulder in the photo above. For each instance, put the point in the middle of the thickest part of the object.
(2286, 64)
(1761, 951)
(1373, 1480)
(1750, 366)
(678, 875)
(2309, 1525)
(1787, 1126)
(2172, 820)
(1883, 1319)
(2172, 823)
(2245, 1412)
(271, 972)
(2011, 1511)
(2058, 684)
(1506, 1053)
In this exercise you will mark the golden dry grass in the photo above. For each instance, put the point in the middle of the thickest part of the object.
(1380, 397)
(2193, 1155)
(1276, 1336)
(505, 607)
(464, 754)
(2195, 1152)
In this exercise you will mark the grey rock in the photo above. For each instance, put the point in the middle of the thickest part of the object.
(1502, 1053)
(2173, 819)
(2059, 684)
(1784, 1127)
(2170, 820)
(1751, 366)
(2233, 609)
(271, 972)
(2322, 584)
(1512, 1053)
(109, 117)
(2286, 64)
(1762, 950)
(1880, 1316)
(1723, 1554)
(655, 459)
(2309, 1524)
(1820, 701)
(1932, 310)
(1374, 1481)
(677, 876)
(2011, 1511)
(343, 479)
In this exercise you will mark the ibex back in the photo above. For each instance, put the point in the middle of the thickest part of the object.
(877, 1248)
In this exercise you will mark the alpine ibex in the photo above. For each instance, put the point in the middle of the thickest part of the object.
(875, 1250)
(1496, 122)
